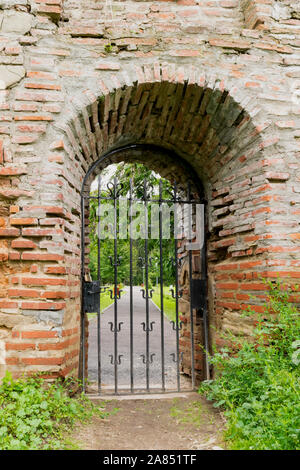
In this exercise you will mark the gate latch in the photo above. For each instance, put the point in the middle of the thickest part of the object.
(91, 293)
(198, 293)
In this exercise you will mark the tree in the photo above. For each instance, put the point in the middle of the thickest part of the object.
(137, 173)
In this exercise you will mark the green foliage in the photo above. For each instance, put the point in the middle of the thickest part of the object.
(36, 415)
(258, 385)
(168, 301)
(108, 48)
(138, 173)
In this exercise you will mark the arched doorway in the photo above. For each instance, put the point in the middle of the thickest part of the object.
(156, 351)
(215, 128)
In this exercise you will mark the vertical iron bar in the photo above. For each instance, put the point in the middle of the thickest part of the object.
(99, 282)
(131, 288)
(176, 292)
(82, 335)
(190, 221)
(115, 289)
(146, 286)
(205, 313)
(161, 291)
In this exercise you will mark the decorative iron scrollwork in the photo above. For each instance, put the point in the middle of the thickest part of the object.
(175, 327)
(117, 329)
(150, 328)
(117, 294)
(118, 261)
(147, 295)
(147, 361)
(114, 361)
(174, 295)
(173, 355)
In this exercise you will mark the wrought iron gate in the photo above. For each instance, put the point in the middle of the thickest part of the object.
(113, 362)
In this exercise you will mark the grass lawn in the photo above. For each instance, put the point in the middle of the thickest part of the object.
(105, 301)
(169, 302)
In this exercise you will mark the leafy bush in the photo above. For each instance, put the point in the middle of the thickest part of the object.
(36, 415)
(257, 380)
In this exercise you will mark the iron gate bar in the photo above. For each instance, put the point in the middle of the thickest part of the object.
(176, 299)
(99, 278)
(191, 290)
(131, 285)
(82, 322)
(162, 333)
(205, 310)
(116, 362)
(147, 287)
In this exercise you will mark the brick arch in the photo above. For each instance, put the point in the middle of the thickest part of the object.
(210, 124)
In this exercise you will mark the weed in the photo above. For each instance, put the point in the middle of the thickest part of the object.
(257, 381)
(36, 415)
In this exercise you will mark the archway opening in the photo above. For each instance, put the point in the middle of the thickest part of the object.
(210, 125)
(143, 273)
(203, 129)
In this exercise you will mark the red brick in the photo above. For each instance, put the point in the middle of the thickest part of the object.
(9, 232)
(33, 117)
(36, 281)
(54, 295)
(1, 152)
(39, 334)
(9, 171)
(23, 244)
(23, 221)
(227, 285)
(14, 255)
(12, 360)
(43, 361)
(227, 44)
(19, 346)
(40, 75)
(8, 304)
(254, 286)
(43, 86)
(24, 139)
(43, 305)
(23, 293)
(55, 270)
(41, 232)
(40, 128)
(42, 257)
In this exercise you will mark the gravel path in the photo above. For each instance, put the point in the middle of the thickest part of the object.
(139, 341)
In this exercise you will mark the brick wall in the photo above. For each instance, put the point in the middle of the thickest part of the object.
(198, 77)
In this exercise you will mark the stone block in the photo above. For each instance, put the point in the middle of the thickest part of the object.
(17, 22)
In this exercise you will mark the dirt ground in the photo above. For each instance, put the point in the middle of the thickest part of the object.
(188, 422)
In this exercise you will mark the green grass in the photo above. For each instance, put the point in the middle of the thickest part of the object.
(35, 415)
(105, 301)
(192, 414)
(258, 380)
(168, 302)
